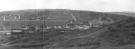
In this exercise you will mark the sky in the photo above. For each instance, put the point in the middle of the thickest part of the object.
(91, 5)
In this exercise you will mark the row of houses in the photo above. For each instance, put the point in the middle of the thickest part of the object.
(31, 26)
(34, 25)
(55, 24)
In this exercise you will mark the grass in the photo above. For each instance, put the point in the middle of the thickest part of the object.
(116, 33)
(120, 34)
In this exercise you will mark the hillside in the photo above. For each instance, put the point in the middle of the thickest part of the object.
(116, 32)
(62, 16)
(124, 13)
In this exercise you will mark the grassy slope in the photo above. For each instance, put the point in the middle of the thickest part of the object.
(76, 38)
(124, 13)
(121, 33)
(62, 14)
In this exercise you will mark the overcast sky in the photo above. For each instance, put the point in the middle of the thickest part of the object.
(92, 5)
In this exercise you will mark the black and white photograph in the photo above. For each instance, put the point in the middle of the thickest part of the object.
(67, 24)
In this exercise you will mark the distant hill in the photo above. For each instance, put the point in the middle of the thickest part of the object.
(62, 16)
(125, 13)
